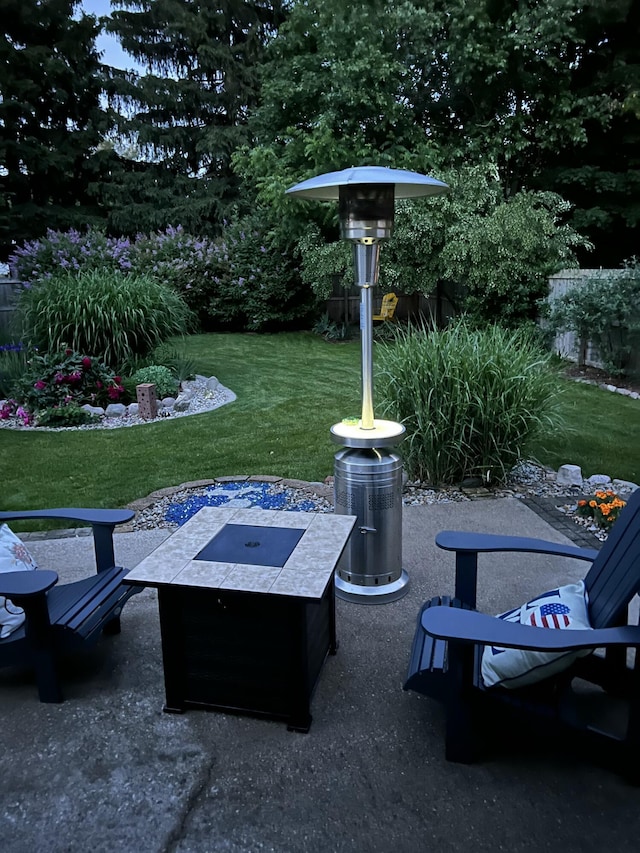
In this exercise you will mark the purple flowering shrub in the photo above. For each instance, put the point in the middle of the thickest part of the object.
(246, 280)
(76, 251)
(65, 250)
(190, 265)
(66, 378)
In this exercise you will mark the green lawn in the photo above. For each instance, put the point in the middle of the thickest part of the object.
(291, 388)
(601, 433)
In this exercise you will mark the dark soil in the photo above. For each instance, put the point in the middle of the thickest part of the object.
(602, 376)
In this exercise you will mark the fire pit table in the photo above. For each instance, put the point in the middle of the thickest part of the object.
(247, 609)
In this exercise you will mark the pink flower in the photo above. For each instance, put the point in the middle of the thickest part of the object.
(68, 351)
(114, 392)
(74, 377)
(24, 415)
(86, 361)
(98, 384)
(59, 378)
(117, 379)
(7, 410)
(40, 385)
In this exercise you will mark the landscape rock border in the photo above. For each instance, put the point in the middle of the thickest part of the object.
(625, 392)
(197, 396)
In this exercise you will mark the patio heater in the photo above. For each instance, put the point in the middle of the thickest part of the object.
(367, 472)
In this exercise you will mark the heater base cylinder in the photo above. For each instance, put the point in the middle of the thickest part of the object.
(372, 594)
(368, 484)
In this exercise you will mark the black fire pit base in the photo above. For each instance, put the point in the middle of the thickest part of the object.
(244, 653)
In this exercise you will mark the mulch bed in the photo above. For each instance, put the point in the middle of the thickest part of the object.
(574, 371)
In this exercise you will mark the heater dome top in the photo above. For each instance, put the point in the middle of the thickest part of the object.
(406, 184)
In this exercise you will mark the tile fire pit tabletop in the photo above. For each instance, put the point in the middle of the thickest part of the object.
(307, 566)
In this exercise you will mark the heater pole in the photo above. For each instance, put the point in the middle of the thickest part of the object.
(366, 259)
(366, 325)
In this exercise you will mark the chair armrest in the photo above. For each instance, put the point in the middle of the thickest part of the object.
(469, 626)
(464, 542)
(18, 585)
(102, 521)
(88, 516)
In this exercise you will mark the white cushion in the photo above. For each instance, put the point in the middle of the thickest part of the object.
(14, 557)
(564, 609)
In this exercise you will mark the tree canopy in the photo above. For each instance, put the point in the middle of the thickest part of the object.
(187, 113)
(50, 118)
(236, 101)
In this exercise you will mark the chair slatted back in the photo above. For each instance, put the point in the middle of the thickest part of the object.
(388, 307)
(614, 577)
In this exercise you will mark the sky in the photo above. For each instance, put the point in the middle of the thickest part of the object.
(112, 53)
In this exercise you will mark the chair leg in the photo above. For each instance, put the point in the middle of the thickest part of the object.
(112, 627)
(460, 744)
(631, 745)
(47, 677)
(38, 630)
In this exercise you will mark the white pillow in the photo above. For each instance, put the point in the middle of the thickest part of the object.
(564, 608)
(14, 557)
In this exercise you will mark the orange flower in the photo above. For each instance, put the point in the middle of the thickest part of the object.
(593, 504)
(582, 503)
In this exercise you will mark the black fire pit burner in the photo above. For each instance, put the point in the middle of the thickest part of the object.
(251, 545)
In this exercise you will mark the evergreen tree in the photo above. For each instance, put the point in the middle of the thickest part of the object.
(187, 113)
(600, 173)
(50, 118)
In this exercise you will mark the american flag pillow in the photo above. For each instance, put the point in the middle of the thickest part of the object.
(564, 608)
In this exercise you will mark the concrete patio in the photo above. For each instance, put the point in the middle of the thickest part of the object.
(108, 770)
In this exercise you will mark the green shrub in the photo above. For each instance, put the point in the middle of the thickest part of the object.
(166, 384)
(330, 331)
(493, 254)
(471, 399)
(62, 416)
(324, 263)
(605, 310)
(181, 365)
(66, 378)
(107, 313)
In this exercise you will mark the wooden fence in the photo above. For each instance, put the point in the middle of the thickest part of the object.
(8, 291)
(344, 305)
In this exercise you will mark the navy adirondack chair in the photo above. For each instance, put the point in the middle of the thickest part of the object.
(61, 618)
(450, 637)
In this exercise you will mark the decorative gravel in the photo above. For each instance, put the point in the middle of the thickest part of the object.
(527, 480)
(172, 511)
(203, 400)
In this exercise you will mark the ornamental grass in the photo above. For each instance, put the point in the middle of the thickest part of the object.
(106, 313)
(472, 400)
